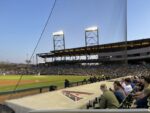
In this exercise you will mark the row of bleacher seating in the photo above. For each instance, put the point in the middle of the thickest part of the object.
(127, 103)
(108, 69)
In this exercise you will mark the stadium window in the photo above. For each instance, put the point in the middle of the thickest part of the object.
(130, 55)
(145, 43)
(107, 47)
(143, 54)
(137, 54)
(130, 45)
(119, 56)
(115, 46)
(137, 44)
(102, 47)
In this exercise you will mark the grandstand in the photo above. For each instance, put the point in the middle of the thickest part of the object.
(136, 50)
(115, 75)
(106, 57)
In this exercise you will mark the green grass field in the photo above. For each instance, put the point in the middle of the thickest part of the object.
(37, 81)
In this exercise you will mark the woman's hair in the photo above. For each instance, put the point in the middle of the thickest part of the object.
(128, 80)
(118, 84)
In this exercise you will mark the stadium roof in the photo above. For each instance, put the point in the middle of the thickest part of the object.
(95, 49)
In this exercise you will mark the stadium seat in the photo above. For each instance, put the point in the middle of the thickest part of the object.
(127, 102)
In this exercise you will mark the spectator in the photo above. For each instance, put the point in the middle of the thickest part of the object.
(143, 96)
(119, 91)
(108, 99)
(145, 81)
(66, 83)
(123, 83)
(128, 88)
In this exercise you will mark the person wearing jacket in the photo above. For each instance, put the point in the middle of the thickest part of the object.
(108, 99)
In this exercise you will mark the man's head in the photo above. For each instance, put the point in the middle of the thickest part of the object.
(145, 79)
(117, 85)
(103, 87)
(127, 81)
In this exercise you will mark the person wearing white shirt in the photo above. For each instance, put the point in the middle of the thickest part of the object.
(127, 88)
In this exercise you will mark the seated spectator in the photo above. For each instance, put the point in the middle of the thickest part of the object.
(142, 103)
(123, 82)
(103, 77)
(133, 82)
(135, 79)
(139, 86)
(91, 80)
(144, 95)
(94, 79)
(119, 91)
(128, 88)
(99, 79)
(108, 99)
(141, 94)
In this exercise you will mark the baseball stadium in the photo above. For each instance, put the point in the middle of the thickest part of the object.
(110, 77)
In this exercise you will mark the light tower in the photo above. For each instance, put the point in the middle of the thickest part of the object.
(91, 36)
(58, 40)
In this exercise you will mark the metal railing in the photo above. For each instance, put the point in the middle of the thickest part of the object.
(79, 83)
(94, 111)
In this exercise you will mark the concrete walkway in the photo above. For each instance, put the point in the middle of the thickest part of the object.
(69, 98)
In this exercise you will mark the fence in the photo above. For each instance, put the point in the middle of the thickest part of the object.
(79, 83)
(95, 111)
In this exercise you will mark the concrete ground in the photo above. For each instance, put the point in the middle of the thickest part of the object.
(69, 98)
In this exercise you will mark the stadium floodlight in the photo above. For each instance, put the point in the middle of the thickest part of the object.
(58, 33)
(91, 38)
(93, 28)
(58, 40)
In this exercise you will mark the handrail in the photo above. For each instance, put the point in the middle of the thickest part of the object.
(79, 82)
(94, 111)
